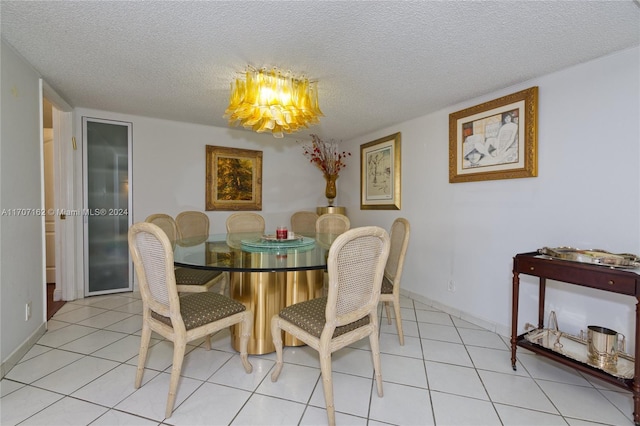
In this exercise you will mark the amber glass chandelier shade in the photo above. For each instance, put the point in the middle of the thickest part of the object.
(270, 101)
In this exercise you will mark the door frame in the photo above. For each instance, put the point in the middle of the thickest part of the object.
(64, 192)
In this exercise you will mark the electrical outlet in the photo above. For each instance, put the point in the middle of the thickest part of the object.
(452, 286)
(27, 311)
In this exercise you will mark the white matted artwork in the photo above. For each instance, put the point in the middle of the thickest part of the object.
(380, 174)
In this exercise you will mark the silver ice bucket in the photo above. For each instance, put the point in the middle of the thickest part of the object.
(603, 346)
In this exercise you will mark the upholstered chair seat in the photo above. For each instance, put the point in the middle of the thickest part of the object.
(310, 317)
(201, 309)
(387, 286)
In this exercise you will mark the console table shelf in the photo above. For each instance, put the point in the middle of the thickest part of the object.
(586, 275)
(587, 368)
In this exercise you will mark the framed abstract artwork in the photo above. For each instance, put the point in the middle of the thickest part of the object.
(495, 140)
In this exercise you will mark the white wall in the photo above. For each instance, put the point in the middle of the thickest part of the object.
(21, 237)
(169, 169)
(586, 195)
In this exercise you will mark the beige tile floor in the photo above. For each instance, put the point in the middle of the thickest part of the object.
(450, 372)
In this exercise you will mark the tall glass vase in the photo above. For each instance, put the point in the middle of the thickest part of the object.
(330, 189)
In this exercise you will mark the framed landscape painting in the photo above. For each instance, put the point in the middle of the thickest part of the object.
(495, 140)
(380, 174)
(234, 179)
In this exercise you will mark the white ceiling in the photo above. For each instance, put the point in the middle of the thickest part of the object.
(377, 63)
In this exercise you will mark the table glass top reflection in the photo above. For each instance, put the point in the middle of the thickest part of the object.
(253, 252)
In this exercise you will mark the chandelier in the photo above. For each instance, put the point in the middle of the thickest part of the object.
(273, 101)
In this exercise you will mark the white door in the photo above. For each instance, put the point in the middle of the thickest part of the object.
(49, 205)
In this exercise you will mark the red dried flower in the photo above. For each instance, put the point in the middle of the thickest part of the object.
(325, 155)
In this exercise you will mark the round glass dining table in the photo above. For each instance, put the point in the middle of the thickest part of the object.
(265, 274)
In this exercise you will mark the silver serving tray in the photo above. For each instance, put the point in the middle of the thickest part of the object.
(575, 348)
(593, 256)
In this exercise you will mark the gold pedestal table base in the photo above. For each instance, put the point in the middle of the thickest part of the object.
(266, 293)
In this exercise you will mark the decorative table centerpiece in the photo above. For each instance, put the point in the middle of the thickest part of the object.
(270, 243)
(326, 156)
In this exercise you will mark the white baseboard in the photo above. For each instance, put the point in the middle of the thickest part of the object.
(17, 355)
(488, 325)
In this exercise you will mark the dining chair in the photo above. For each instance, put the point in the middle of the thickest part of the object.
(332, 223)
(245, 222)
(304, 223)
(188, 280)
(166, 223)
(390, 292)
(348, 313)
(179, 319)
(192, 224)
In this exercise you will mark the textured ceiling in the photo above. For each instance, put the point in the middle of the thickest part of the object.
(377, 63)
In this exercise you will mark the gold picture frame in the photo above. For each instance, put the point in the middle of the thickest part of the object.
(495, 140)
(234, 179)
(380, 174)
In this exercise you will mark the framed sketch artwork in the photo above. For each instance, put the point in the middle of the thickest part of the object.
(495, 140)
(380, 174)
(234, 179)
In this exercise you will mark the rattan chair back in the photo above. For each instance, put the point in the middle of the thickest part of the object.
(192, 224)
(390, 293)
(166, 223)
(332, 223)
(152, 256)
(355, 275)
(245, 222)
(304, 223)
(399, 235)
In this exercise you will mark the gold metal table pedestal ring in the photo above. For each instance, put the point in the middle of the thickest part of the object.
(331, 209)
